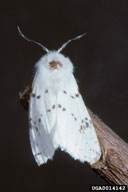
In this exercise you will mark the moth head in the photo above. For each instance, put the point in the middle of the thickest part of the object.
(55, 62)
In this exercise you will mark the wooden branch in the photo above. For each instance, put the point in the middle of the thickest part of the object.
(113, 165)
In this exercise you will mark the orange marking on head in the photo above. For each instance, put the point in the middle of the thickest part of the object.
(53, 64)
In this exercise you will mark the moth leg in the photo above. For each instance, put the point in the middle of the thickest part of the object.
(25, 96)
(101, 164)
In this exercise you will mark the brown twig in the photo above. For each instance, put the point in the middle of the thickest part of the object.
(113, 165)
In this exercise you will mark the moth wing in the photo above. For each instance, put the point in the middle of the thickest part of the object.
(75, 133)
(42, 122)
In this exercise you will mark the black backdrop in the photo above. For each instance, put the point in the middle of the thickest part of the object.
(101, 67)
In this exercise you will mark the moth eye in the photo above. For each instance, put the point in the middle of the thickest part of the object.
(53, 64)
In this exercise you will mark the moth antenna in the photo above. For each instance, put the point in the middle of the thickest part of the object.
(32, 41)
(66, 43)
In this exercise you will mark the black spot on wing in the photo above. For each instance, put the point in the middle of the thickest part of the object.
(60, 106)
(65, 92)
(33, 95)
(53, 106)
(46, 91)
(82, 129)
(75, 119)
(77, 95)
(87, 124)
(72, 97)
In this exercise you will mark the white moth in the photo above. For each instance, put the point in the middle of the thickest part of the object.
(58, 117)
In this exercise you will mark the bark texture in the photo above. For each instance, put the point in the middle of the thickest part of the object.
(113, 165)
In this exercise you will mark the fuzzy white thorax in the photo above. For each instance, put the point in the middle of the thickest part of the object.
(56, 76)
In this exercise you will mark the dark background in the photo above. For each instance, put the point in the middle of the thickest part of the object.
(101, 66)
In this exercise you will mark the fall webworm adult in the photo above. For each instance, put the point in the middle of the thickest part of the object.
(58, 117)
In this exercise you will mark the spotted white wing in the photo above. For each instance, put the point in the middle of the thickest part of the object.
(42, 122)
(60, 119)
(75, 133)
